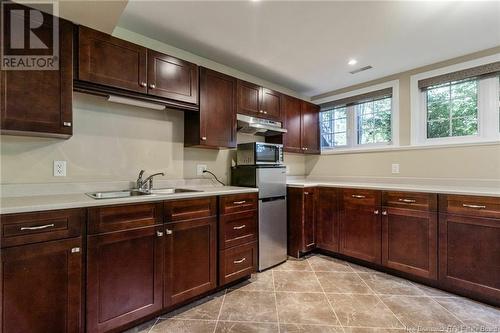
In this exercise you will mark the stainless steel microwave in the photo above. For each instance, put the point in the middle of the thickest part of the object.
(255, 153)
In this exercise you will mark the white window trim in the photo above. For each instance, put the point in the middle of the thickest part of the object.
(351, 119)
(487, 122)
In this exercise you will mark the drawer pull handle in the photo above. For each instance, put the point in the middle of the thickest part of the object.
(239, 227)
(75, 250)
(357, 196)
(169, 232)
(407, 200)
(38, 227)
(474, 206)
(159, 233)
(239, 261)
(239, 202)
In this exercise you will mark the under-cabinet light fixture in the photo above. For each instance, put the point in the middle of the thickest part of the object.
(135, 102)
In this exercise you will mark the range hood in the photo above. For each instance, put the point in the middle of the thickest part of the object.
(258, 126)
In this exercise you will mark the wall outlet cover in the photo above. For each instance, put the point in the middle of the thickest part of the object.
(200, 168)
(395, 168)
(59, 168)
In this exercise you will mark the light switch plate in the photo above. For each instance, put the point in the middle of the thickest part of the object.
(200, 168)
(395, 168)
(59, 168)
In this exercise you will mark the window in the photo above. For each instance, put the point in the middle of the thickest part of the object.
(359, 121)
(457, 106)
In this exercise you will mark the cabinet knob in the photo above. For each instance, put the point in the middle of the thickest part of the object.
(169, 232)
(142, 84)
(67, 124)
(306, 193)
(152, 86)
(261, 111)
(384, 212)
(204, 138)
(265, 112)
(159, 233)
(376, 212)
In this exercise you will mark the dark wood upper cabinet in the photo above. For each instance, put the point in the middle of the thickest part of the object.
(124, 277)
(469, 246)
(107, 60)
(327, 220)
(249, 99)
(310, 128)
(191, 259)
(360, 225)
(39, 102)
(214, 126)
(42, 287)
(292, 115)
(172, 78)
(272, 102)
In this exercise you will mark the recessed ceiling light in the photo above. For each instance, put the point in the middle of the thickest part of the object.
(352, 62)
(255, 0)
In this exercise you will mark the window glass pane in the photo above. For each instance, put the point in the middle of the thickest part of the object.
(333, 127)
(452, 109)
(374, 121)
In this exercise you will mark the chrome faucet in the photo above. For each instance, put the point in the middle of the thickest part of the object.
(146, 185)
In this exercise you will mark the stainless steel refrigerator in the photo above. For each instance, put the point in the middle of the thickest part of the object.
(271, 182)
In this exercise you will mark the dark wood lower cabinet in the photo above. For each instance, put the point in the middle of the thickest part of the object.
(41, 287)
(327, 220)
(409, 241)
(469, 255)
(191, 259)
(301, 220)
(124, 277)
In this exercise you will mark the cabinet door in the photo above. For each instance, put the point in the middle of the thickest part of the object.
(271, 104)
(469, 255)
(191, 254)
(327, 223)
(172, 78)
(310, 128)
(309, 221)
(360, 232)
(40, 102)
(124, 277)
(293, 121)
(217, 109)
(409, 241)
(110, 61)
(42, 287)
(249, 99)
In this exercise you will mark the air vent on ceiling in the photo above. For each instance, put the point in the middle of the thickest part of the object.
(356, 71)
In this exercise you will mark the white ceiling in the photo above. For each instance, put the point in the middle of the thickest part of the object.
(305, 45)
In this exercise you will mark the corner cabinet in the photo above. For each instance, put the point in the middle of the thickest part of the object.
(301, 220)
(301, 119)
(214, 126)
(111, 66)
(39, 102)
(469, 245)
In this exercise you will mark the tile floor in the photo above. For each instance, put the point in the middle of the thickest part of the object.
(320, 294)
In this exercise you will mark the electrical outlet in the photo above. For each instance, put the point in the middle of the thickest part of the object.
(59, 168)
(395, 168)
(287, 169)
(200, 168)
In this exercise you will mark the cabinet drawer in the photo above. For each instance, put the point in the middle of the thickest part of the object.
(238, 203)
(179, 210)
(236, 229)
(361, 197)
(26, 228)
(470, 205)
(410, 200)
(237, 262)
(123, 217)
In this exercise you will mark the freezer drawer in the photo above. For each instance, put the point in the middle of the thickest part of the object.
(272, 232)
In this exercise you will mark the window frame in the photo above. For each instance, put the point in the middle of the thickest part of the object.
(487, 113)
(352, 123)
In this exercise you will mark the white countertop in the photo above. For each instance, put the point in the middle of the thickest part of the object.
(20, 204)
(444, 189)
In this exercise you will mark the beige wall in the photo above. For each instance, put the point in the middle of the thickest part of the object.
(114, 141)
(471, 162)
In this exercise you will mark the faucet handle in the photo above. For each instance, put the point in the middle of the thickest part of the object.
(141, 173)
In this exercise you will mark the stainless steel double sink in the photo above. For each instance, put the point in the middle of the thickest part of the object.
(136, 193)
